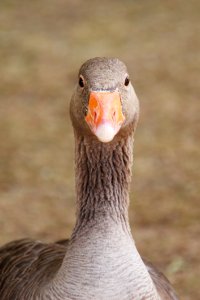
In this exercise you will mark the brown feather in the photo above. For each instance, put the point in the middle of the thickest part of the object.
(26, 265)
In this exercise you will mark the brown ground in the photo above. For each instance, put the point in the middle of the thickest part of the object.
(42, 44)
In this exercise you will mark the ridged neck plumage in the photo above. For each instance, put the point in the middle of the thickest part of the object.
(102, 261)
(103, 173)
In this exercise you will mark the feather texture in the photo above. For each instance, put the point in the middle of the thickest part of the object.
(26, 265)
(100, 261)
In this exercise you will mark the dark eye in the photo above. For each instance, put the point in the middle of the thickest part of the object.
(81, 82)
(126, 82)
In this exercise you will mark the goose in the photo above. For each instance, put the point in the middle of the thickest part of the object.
(100, 260)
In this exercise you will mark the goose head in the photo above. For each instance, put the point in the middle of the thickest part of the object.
(104, 105)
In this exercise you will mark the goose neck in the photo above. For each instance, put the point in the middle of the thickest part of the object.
(101, 261)
(103, 173)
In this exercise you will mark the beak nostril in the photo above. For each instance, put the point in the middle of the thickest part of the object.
(114, 115)
(95, 115)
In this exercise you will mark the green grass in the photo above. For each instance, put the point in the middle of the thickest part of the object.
(42, 44)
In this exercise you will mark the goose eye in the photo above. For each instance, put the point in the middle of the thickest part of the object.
(126, 82)
(81, 82)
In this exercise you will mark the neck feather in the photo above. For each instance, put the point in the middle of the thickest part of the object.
(101, 261)
(103, 173)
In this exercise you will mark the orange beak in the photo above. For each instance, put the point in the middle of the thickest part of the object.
(105, 115)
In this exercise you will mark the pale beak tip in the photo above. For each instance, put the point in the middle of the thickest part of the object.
(105, 133)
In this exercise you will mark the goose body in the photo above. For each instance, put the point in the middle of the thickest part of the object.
(100, 260)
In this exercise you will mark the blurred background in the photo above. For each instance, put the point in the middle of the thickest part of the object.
(42, 45)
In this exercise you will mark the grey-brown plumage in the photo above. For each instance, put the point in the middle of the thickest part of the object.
(25, 265)
(100, 260)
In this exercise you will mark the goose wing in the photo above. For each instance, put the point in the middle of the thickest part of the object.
(25, 265)
(162, 284)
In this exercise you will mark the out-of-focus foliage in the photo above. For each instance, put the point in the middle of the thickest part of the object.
(42, 44)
